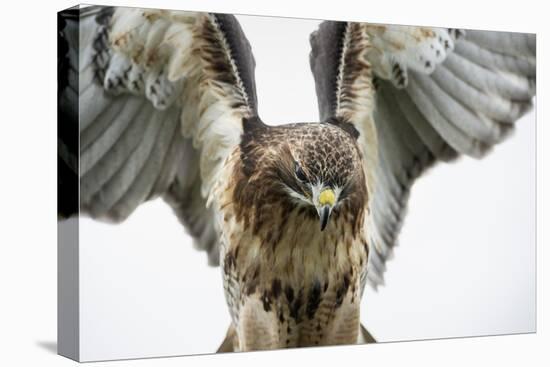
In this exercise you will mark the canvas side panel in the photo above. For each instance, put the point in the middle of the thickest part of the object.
(67, 186)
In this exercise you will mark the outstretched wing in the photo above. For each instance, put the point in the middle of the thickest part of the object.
(158, 98)
(417, 96)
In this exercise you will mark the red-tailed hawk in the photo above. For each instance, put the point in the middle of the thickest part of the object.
(300, 216)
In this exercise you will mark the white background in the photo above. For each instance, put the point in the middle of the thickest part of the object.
(29, 226)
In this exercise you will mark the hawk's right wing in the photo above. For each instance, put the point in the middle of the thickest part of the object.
(158, 98)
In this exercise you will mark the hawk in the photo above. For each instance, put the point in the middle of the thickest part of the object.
(300, 217)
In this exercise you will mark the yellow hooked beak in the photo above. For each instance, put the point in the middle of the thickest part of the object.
(327, 199)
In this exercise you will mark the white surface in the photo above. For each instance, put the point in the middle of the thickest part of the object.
(465, 266)
(28, 158)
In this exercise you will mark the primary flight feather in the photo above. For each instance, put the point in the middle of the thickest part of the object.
(299, 216)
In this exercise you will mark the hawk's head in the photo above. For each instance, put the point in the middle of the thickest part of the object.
(320, 168)
(315, 167)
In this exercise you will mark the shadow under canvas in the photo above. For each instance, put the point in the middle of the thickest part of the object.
(48, 345)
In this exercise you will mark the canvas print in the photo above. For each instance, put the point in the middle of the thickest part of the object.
(190, 223)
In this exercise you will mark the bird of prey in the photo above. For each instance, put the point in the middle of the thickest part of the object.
(300, 217)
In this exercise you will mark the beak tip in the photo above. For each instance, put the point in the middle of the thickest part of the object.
(324, 215)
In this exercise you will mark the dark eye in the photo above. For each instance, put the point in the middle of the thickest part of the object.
(300, 174)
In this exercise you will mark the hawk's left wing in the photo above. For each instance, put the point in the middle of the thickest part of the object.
(416, 96)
